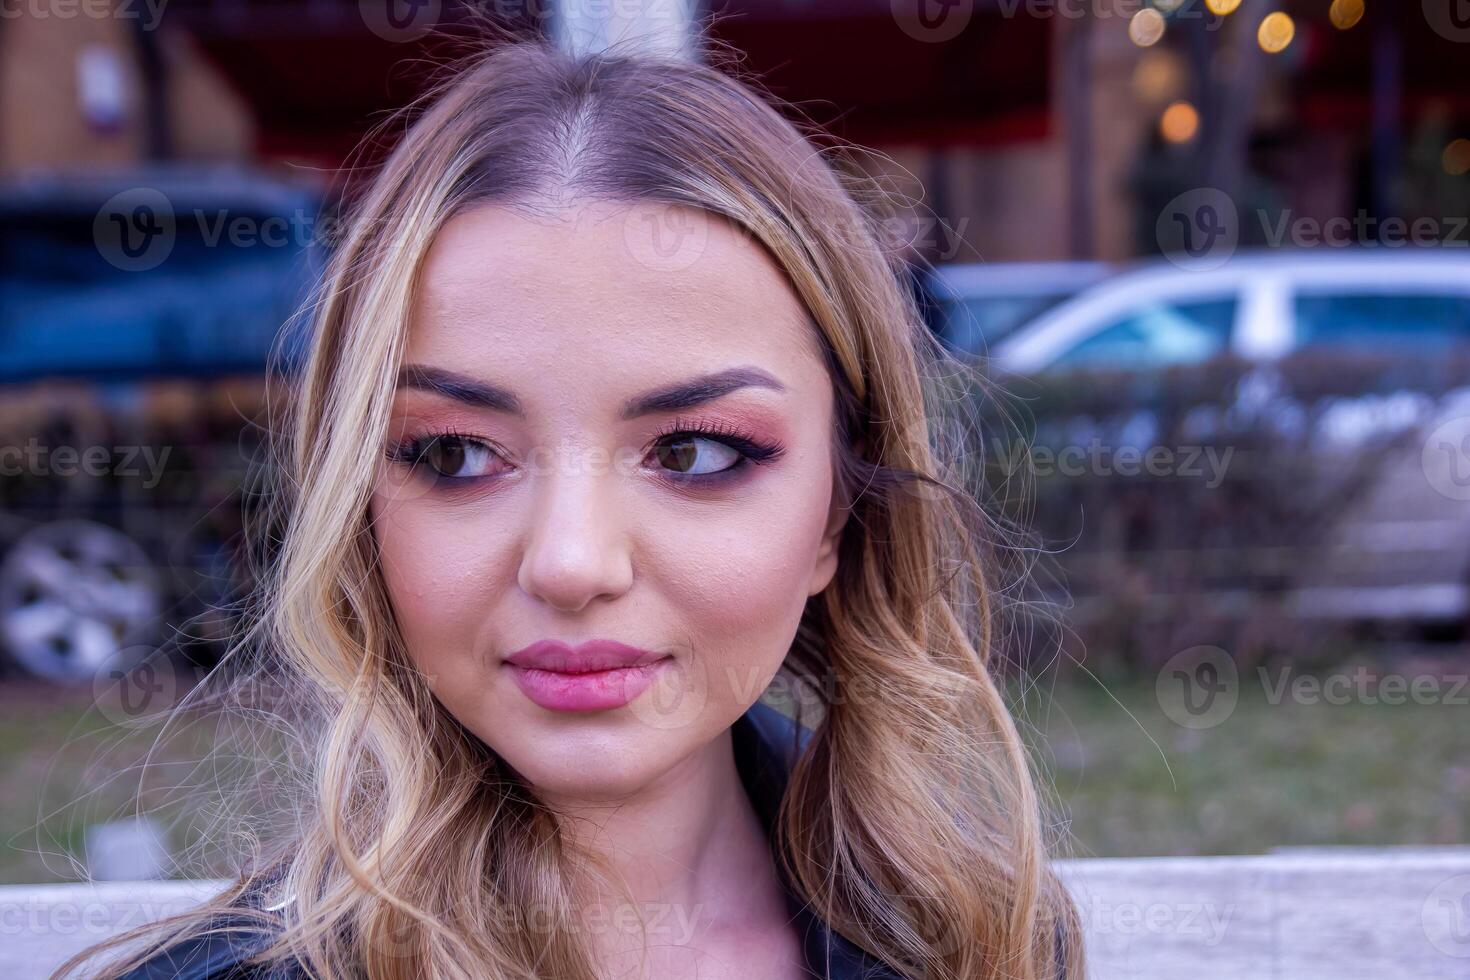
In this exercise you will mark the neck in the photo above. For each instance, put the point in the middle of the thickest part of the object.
(689, 850)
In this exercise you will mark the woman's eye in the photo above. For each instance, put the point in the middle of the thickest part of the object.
(691, 455)
(454, 457)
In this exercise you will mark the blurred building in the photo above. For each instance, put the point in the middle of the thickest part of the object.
(1026, 129)
(89, 91)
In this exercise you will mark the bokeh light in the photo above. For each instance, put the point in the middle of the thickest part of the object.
(1159, 77)
(1223, 8)
(1179, 123)
(1146, 28)
(1276, 32)
(1345, 13)
(1168, 6)
(1457, 158)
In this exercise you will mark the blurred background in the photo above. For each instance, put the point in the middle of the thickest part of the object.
(1214, 253)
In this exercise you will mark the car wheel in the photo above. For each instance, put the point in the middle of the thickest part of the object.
(72, 594)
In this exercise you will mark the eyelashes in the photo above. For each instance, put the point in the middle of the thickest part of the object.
(677, 438)
(445, 457)
(683, 451)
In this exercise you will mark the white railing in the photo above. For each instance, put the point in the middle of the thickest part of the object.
(1305, 915)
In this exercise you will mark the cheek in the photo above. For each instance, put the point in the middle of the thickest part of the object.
(737, 577)
(438, 572)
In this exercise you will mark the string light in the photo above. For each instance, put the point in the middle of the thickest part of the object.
(1160, 76)
(1345, 14)
(1457, 158)
(1276, 32)
(1146, 28)
(1179, 123)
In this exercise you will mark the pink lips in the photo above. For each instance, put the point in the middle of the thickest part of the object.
(595, 676)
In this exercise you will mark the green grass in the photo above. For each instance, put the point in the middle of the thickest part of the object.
(63, 767)
(1288, 774)
(1271, 775)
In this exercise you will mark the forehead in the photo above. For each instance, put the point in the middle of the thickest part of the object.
(602, 294)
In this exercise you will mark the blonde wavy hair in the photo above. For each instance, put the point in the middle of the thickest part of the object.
(912, 823)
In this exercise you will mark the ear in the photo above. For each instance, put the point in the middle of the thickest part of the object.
(825, 566)
(824, 569)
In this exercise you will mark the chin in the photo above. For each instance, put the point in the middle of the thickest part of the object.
(587, 759)
(585, 774)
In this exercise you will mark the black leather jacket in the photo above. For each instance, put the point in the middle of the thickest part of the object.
(766, 744)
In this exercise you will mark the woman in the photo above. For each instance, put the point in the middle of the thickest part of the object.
(617, 413)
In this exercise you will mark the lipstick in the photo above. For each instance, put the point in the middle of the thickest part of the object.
(596, 676)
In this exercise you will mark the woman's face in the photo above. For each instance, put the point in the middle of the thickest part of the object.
(613, 424)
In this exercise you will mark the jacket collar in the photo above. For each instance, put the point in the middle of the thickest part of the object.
(767, 744)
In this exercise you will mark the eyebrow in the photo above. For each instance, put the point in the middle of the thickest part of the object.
(670, 398)
(460, 388)
(696, 391)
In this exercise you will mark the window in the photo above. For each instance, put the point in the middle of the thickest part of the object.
(1156, 335)
(1401, 321)
(975, 322)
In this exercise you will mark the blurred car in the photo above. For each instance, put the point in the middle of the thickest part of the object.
(973, 305)
(1337, 381)
(1257, 307)
(138, 312)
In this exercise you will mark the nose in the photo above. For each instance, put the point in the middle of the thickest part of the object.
(576, 548)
